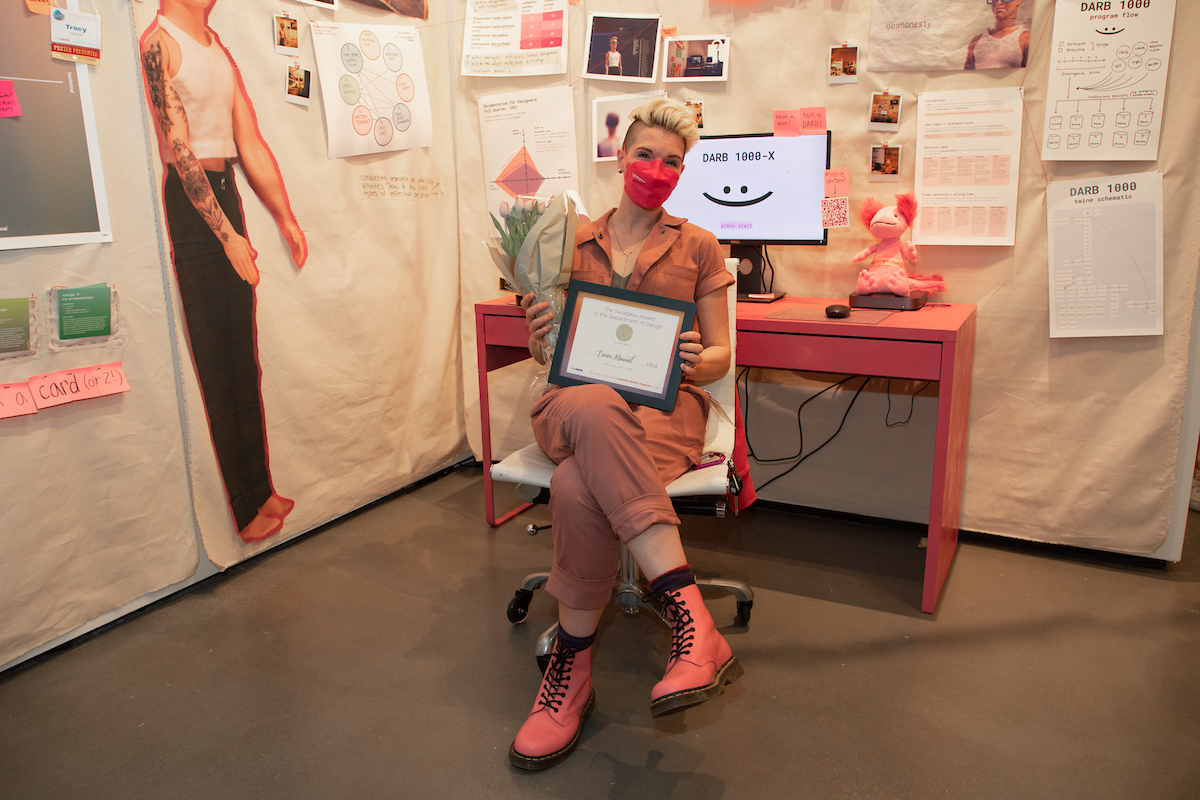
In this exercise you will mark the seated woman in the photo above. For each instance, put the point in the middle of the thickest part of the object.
(615, 459)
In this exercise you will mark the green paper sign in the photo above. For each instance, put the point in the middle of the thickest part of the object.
(14, 325)
(85, 311)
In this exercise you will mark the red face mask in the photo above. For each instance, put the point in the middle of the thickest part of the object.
(649, 183)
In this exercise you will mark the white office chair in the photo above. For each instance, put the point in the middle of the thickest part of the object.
(700, 491)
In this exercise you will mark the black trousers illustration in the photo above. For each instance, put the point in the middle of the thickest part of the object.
(218, 311)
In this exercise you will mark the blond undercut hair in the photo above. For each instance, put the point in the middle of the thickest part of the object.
(664, 114)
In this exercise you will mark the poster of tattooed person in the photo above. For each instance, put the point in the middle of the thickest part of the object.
(206, 123)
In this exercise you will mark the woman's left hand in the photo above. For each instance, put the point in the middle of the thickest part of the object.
(690, 350)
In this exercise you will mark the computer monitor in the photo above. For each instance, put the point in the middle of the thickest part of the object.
(755, 189)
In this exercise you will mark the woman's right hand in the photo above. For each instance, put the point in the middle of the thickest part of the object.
(241, 255)
(538, 317)
(540, 320)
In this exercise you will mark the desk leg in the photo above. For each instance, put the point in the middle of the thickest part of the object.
(949, 461)
(485, 429)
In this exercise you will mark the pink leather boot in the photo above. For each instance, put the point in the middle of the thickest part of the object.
(564, 701)
(701, 662)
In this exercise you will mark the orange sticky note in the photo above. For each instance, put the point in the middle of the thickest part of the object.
(787, 123)
(57, 388)
(38, 6)
(812, 121)
(110, 379)
(837, 182)
(15, 400)
(673, 30)
(9, 105)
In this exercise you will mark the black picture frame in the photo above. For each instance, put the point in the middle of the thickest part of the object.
(684, 312)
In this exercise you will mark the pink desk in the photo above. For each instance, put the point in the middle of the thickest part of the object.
(936, 343)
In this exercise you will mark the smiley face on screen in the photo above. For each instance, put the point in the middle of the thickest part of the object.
(729, 192)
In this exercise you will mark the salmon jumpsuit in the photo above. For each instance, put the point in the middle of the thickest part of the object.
(615, 458)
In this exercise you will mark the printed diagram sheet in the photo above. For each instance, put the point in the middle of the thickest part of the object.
(372, 87)
(1108, 80)
(503, 38)
(1106, 257)
(968, 158)
(528, 145)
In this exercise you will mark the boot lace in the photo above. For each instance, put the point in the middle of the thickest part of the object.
(683, 627)
(554, 682)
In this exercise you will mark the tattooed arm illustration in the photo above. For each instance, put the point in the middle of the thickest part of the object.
(173, 125)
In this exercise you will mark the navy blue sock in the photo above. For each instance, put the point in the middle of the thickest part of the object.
(568, 642)
(672, 580)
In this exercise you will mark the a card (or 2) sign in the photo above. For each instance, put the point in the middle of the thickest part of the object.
(109, 378)
(835, 212)
(16, 401)
(623, 339)
(837, 182)
(10, 106)
(75, 36)
(59, 388)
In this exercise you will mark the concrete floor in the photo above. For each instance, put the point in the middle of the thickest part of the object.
(373, 659)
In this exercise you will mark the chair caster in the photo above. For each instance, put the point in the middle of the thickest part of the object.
(743, 612)
(533, 530)
(518, 607)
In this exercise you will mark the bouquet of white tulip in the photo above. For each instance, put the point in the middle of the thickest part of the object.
(535, 250)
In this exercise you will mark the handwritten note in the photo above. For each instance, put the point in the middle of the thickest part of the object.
(38, 6)
(59, 388)
(109, 379)
(787, 123)
(837, 182)
(835, 212)
(15, 400)
(672, 31)
(9, 105)
(812, 121)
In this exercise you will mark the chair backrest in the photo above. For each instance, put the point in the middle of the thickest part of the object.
(724, 390)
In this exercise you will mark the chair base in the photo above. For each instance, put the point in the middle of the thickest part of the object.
(628, 592)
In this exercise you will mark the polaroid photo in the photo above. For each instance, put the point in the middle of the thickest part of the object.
(299, 84)
(843, 64)
(884, 112)
(332, 5)
(885, 163)
(623, 48)
(610, 120)
(287, 35)
(695, 58)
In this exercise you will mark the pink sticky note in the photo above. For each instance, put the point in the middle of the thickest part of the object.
(671, 31)
(837, 182)
(812, 121)
(15, 400)
(787, 123)
(110, 379)
(9, 105)
(58, 388)
(835, 212)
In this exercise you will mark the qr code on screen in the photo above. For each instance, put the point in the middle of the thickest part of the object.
(835, 212)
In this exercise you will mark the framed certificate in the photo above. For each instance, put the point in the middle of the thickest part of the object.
(623, 339)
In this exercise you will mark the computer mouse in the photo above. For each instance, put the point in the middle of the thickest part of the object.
(837, 311)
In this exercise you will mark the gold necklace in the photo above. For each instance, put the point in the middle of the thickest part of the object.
(625, 251)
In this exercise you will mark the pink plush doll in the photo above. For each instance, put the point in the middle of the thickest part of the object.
(886, 274)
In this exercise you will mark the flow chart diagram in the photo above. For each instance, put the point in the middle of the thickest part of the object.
(373, 88)
(1107, 81)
